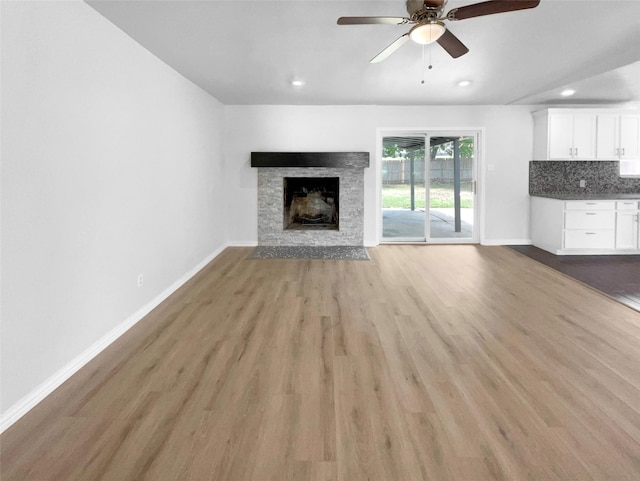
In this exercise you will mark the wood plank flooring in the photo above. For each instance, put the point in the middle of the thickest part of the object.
(447, 363)
(616, 276)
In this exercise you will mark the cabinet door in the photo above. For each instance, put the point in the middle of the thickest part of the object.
(584, 136)
(560, 136)
(607, 137)
(627, 230)
(630, 137)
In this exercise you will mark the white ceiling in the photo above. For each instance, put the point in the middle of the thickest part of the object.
(248, 51)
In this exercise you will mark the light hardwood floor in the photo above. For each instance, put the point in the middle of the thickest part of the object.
(447, 363)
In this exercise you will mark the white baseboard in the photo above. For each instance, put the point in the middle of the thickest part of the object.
(28, 402)
(506, 242)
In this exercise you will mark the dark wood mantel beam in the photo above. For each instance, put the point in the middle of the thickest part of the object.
(310, 159)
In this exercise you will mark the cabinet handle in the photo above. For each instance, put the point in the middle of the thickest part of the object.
(590, 233)
(591, 213)
(576, 154)
(623, 151)
(570, 151)
(592, 203)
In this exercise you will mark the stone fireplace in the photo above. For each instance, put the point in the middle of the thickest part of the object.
(310, 199)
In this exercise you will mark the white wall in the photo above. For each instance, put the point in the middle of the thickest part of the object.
(293, 129)
(112, 166)
(508, 140)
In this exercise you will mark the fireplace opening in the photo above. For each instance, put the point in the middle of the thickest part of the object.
(311, 203)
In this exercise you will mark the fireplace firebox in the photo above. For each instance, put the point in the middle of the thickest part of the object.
(311, 203)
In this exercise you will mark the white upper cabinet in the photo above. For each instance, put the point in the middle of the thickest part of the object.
(608, 141)
(630, 137)
(586, 134)
(564, 134)
(560, 132)
(618, 136)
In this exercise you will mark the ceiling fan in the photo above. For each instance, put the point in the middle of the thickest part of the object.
(427, 17)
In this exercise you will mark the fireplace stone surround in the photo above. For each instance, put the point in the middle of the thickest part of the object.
(273, 167)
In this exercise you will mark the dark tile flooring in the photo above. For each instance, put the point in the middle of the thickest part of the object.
(616, 276)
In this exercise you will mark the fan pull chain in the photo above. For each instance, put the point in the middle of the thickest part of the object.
(422, 65)
(430, 66)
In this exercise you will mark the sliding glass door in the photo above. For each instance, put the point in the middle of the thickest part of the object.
(428, 187)
(452, 187)
(403, 188)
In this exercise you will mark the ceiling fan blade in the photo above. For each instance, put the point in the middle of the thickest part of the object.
(390, 49)
(372, 20)
(490, 8)
(452, 45)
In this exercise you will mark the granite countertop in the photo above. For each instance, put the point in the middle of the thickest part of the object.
(588, 196)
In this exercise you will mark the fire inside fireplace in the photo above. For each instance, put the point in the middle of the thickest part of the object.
(311, 203)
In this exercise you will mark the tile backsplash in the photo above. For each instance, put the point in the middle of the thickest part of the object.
(563, 177)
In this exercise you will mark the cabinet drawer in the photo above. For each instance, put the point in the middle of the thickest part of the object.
(589, 239)
(590, 205)
(590, 219)
(627, 205)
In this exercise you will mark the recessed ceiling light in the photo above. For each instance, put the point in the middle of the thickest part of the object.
(297, 83)
(567, 92)
(464, 83)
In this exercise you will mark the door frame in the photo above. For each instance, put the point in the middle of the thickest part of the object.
(479, 204)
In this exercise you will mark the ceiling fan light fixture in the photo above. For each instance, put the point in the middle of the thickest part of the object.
(427, 32)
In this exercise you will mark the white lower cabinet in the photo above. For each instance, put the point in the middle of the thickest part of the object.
(585, 227)
(589, 224)
(627, 225)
